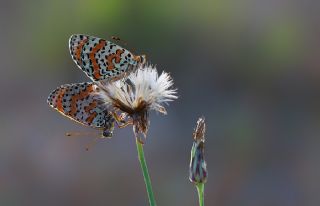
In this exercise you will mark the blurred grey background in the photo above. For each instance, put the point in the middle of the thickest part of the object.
(251, 67)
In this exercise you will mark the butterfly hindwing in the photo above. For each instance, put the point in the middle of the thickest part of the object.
(101, 59)
(80, 102)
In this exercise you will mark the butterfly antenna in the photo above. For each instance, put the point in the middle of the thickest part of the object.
(119, 40)
(122, 41)
(92, 143)
(80, 134)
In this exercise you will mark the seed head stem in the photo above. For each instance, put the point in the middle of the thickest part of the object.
(145, 172)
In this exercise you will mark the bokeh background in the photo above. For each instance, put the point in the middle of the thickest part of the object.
(251, 67)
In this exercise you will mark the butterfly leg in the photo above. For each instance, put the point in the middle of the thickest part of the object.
(121, 119)
(129, 122)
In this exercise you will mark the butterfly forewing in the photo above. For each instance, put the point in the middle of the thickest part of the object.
(81, 103)
(101, 59)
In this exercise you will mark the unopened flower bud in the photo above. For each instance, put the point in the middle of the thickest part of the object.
(198, 167)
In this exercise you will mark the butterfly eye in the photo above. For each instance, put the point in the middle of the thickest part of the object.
(143, 59)
(140, 59)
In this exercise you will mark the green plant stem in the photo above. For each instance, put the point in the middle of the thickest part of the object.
(200, 188)
(145, 172)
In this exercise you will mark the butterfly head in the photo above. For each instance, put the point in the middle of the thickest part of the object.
(107, 133)
(109, 126)
(141, 59)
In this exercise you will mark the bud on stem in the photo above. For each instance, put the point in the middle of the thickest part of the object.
(198, 167)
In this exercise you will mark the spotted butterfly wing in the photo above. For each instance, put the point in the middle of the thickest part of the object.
(81, 103)
(101, 59)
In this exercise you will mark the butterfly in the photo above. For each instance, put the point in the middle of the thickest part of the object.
(100, 60)
(82, 103)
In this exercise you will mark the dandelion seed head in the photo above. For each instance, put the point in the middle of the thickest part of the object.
(143, 90)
